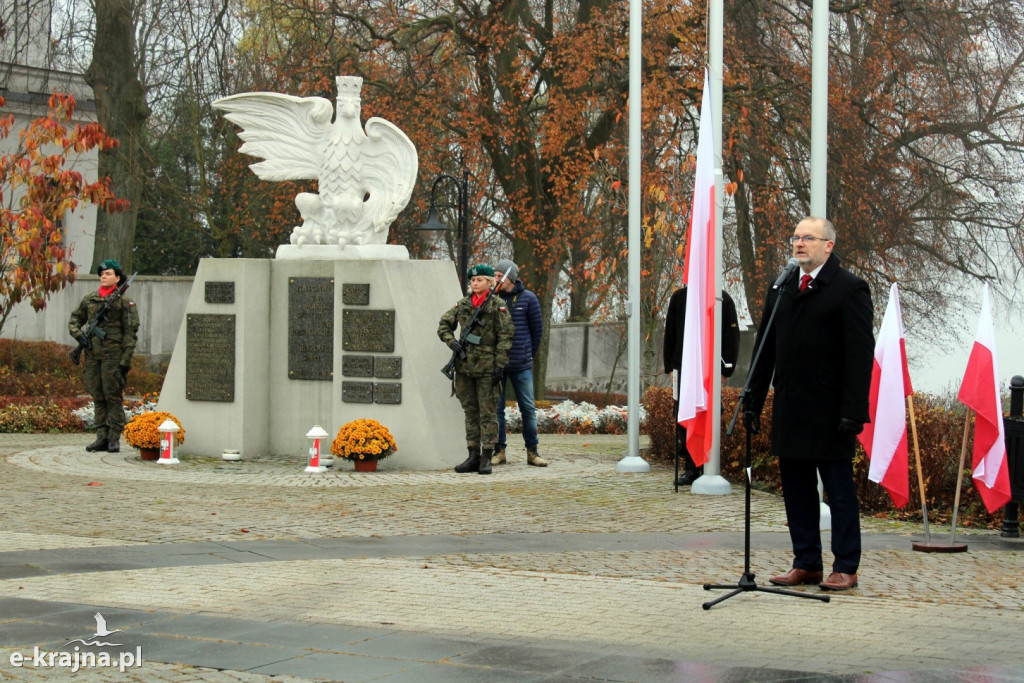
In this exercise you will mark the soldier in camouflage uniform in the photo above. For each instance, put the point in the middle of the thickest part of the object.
(108, 361)
(480, 364)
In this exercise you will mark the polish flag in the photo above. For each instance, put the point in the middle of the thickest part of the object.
(695, 413)
(979, 391)
(885, 437)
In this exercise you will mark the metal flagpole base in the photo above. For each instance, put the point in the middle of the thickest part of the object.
(711, 484)
(633, 463)
(939, 547)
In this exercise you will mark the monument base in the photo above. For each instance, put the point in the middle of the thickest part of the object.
(269, 348)
(332, 252)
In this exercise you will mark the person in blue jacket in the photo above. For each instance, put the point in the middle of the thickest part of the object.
(529, 324)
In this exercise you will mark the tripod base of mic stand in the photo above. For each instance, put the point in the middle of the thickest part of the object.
(747, 584)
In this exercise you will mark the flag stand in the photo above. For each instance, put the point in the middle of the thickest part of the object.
(952, 546)
(746, 582)
(927, 546)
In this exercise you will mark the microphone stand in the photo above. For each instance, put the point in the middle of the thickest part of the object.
(746, 582)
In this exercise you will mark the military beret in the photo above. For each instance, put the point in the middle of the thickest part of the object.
(482, 269)
(109, 264)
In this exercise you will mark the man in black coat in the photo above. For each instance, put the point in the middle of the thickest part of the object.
(820, 349)
(672, 350)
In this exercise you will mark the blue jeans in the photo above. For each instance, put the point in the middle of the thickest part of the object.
(522, 384)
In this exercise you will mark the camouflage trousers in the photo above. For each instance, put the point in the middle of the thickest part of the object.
(105, 383)
(479, 399)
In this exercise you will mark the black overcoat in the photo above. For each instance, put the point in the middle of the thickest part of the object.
(820, 350)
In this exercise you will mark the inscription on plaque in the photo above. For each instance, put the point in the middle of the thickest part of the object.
(210, 357)
(370, 331)
(388, 367)
(355, 294)
(357, 392)
(356, 366)
(220, 292)
(311, 328)
(387, 392)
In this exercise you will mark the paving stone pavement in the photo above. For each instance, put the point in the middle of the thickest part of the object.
(251, 570)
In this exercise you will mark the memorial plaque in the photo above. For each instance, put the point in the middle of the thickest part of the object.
(370, 331)
(388, 367)
(210, 357)
(220, 292)
(355, 294)
(356, 366)
(387, 392)
(357, 392)
(311, 328)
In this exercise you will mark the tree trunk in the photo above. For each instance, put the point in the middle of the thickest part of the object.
(122, 111)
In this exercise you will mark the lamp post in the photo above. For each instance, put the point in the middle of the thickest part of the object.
(463, 218)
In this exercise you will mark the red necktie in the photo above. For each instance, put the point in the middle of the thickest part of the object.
(804, 281)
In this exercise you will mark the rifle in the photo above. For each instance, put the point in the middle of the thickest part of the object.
(467, 332)
(92, 328)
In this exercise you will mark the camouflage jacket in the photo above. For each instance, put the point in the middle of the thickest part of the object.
(494, 327)
(121, 326)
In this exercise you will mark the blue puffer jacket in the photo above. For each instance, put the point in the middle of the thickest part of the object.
(526, 316)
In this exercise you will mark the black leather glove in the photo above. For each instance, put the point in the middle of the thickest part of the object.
(498, 377)
(848, 426)
(124, 371)
(84, 341)
(455, 346)
(752, 421)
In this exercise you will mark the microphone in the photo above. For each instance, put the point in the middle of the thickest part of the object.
(791, 265)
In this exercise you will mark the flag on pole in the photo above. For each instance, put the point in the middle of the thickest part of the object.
(695, 413)
(885, 437)
(979, 391)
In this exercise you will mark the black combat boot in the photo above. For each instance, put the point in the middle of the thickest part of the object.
(114, 443)
(471, 463)
(485, 461)
(690, 471)
(100, 444)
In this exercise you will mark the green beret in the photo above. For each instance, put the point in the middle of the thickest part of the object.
(482, 269)
(109, 264)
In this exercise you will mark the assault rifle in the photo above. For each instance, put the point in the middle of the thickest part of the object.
(92, 328)
(467, 332)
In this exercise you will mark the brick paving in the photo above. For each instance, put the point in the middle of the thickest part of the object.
(912, 611)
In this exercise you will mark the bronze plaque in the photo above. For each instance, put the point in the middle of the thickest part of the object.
(210, 357)
(370, 331)
(388, 367)
(311, 328)
(356, 366)
(355, 294)
(357, 392)
(220, 292)
(387, 392)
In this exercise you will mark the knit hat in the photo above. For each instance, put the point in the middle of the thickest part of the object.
(510, 269)
(481, 269)
(110, 264)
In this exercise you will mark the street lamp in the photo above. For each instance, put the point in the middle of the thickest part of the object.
(463, 218)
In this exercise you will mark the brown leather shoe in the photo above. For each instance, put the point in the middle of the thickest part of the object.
(796, 577)
(838, 581)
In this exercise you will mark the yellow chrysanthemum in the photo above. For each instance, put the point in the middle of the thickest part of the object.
(363, 439)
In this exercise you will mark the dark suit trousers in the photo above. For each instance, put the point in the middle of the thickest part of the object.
(800, 492)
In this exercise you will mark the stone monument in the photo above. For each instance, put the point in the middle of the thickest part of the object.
(337, 326)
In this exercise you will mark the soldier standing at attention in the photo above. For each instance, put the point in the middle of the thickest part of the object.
(107, 360)
(480, 363)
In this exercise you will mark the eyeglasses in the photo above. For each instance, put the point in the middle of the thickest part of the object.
(806, 238)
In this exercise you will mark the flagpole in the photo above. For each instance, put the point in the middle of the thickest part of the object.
(712, 482)
(920, 473)
(632, 462)
(960, 477)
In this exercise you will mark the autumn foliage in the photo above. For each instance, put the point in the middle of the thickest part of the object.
(37, 189)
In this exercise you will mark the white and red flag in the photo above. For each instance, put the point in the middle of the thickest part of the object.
(885, 437)
(698, 362)
(979, 391)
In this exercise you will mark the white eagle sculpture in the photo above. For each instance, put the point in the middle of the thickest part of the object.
(366, 179)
